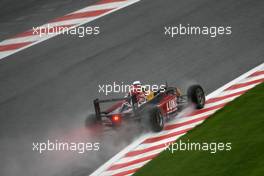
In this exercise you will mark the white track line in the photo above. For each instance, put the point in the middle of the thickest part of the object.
(249, 79)
(161, 142)
(131, 159)
(228, 92)
(102, 7)
(108, 173)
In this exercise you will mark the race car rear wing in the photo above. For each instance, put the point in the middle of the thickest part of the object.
(99, 114)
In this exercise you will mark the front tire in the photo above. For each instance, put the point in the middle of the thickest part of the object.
(196, 96)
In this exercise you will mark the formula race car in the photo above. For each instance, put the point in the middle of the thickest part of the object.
(163, 106)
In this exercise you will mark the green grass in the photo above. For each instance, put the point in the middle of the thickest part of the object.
(241, 122)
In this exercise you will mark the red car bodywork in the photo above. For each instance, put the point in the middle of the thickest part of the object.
(167, 104)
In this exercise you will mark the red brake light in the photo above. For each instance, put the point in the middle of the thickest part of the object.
(116, 118)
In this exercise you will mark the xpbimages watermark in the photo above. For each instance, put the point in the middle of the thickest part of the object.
(79, 147)
(212, 31)
(211, 147)
(125, 88)
(80, 31)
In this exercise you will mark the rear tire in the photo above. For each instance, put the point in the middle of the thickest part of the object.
(196, 96)
(156, 120)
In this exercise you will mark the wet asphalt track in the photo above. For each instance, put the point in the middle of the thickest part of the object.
(46, 90)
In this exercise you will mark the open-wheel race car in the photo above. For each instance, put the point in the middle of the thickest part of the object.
(163, 106)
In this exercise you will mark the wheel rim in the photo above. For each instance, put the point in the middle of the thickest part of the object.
(159, 119)
(200, 96)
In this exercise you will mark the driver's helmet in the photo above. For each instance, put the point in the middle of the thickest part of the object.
(135, 83)
(136, 87)
(138, 92)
